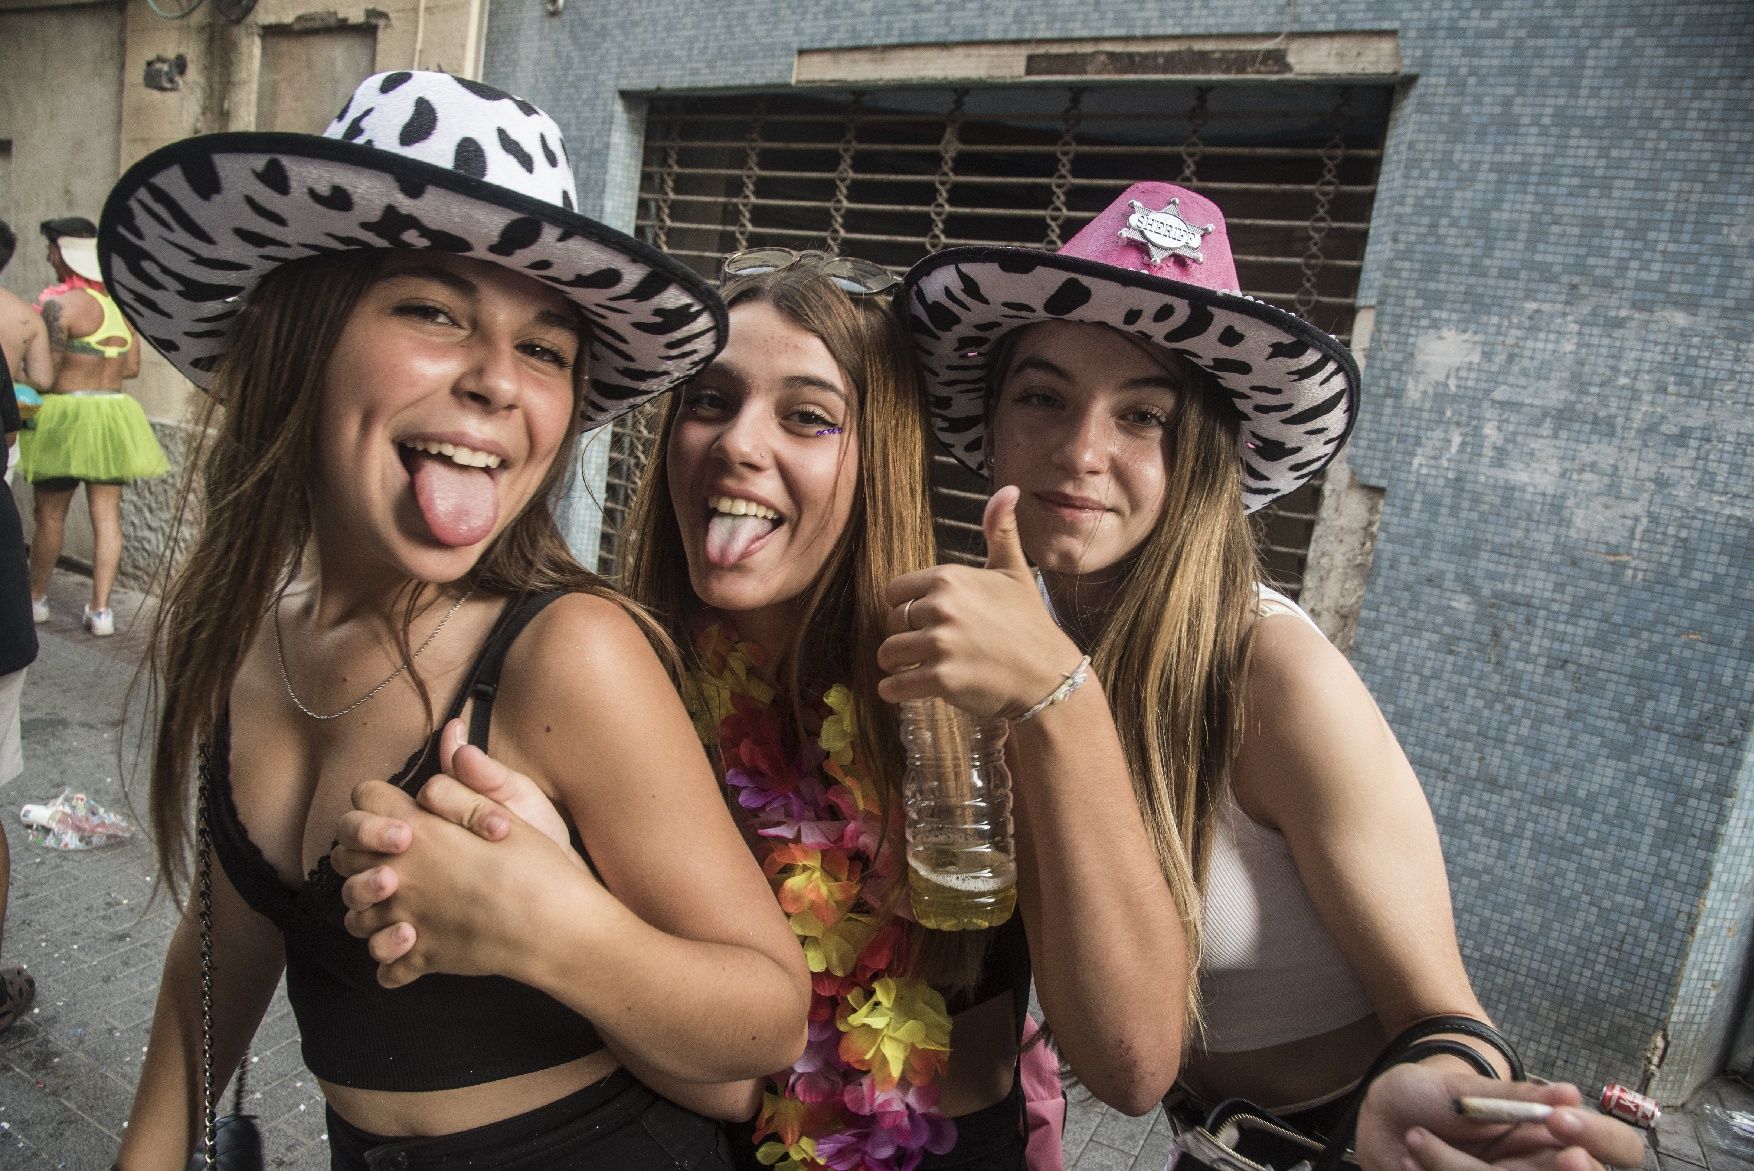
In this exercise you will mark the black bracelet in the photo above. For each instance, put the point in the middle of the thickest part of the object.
(1433, 1046)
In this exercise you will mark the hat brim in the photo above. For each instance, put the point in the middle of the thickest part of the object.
(189, 231)
(1294, 388)
(79, 253)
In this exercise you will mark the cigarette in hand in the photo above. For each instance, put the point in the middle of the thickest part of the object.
(1502, 1109)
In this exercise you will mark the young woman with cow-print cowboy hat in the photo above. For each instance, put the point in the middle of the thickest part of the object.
(1133, 406)
(403, 326)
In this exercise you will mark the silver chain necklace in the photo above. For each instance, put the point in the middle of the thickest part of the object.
(280, 653)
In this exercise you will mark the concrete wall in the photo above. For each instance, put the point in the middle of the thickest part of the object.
(1562, 433)
(221, 90)
(61, 113)
(76, 118)
(1556, 422)
(61, 116)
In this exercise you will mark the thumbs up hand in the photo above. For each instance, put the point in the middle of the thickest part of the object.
(1004, 544)
(980, 638)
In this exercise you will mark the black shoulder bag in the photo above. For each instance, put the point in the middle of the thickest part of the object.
(1240, 1136)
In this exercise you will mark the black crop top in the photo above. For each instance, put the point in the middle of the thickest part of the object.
(1004, 968)
(441, 1031)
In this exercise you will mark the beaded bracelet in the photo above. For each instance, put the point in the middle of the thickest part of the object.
(1069, 684)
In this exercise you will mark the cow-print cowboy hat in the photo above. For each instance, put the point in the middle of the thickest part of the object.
(414, 160)
(1156, 264)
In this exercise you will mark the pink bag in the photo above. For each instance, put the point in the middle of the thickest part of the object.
(1044, 1103)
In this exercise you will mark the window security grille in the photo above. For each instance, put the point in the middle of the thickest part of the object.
(892, 174)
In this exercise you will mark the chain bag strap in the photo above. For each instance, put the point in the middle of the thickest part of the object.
(232, 1142)
(1240, 1136)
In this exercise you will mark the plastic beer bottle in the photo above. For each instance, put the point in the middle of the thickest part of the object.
(962, 869)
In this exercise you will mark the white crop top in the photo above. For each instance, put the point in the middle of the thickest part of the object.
(1269, 972)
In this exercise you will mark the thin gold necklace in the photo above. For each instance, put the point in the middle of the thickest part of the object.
(280, 654)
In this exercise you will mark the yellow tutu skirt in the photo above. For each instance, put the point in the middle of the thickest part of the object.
(101, 438)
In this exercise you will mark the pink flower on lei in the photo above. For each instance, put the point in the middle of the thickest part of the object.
(894, 1145)
(897, 1126)
(817, 1075)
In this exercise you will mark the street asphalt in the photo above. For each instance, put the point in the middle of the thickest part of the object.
(88, 926)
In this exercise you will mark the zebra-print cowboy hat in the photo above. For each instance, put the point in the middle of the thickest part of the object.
(414, 160)
(1156, 264)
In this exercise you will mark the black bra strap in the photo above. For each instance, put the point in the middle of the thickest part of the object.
(484, 683)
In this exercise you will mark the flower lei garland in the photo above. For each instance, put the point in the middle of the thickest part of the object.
(73, 283)
(864, 1095)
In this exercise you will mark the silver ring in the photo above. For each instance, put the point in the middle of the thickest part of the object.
(907, 613)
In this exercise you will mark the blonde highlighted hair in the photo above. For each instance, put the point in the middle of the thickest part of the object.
(1172, 647)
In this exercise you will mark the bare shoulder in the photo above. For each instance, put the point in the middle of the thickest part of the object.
(12, 305)
(19, 323)
(76, 309)
(73, 300)
(584, 653)
(1290, 661)
(1313, 731)
(586, 709)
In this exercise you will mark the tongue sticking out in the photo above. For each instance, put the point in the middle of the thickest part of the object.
(728, 537)
(459, 503)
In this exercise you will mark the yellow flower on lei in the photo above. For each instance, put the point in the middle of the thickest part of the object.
(799, 1156)
(787, 1119)
(817, 891)
(899, 1029)
(730, 672)
(816, 888)
(836, 951)
(839, 728)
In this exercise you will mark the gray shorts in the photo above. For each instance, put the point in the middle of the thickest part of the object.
(11, 741)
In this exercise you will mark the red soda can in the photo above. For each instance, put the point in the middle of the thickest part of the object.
(1629, 1106)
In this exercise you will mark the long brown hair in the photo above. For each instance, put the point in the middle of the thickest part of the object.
(250, 473)
(1172, 644)
(888, 533)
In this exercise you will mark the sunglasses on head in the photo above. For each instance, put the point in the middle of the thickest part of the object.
(859, 278)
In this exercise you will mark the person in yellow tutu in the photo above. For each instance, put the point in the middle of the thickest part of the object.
(88, 430)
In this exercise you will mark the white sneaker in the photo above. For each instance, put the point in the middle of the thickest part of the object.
(39, 610)
(101, 623)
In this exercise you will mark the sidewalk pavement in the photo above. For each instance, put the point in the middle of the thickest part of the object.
(86, 925)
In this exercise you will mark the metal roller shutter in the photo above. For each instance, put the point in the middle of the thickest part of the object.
(892, 174)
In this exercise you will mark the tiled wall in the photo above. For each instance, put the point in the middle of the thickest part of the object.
(1559, 410)
(1557, 622)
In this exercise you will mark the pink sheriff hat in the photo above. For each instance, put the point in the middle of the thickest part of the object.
(1156, 264)
(1162, 230)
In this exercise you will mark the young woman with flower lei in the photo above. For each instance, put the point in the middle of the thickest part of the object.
(788, 486)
